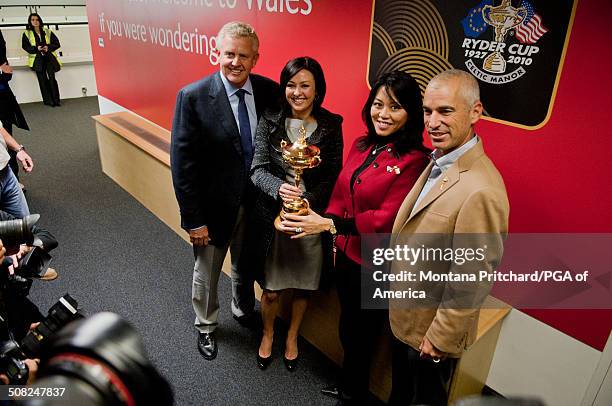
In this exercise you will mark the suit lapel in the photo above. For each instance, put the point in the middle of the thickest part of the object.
(406, 208)
(259, 103)
(223, 110)
(446, 181)
(319, 134)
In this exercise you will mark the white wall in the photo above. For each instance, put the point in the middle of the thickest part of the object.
(77, 71)
(108, 106)
(67, 12)
(36, 2)
(534, 359)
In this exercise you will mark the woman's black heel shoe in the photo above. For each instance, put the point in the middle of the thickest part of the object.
(262, 363)
(291, 364)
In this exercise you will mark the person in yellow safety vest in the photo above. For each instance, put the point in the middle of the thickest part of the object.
(41, 43)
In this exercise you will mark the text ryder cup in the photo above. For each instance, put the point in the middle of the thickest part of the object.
(494, 46)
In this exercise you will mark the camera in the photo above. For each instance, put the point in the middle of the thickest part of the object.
(34, 264)
(100, 360)
(17, 311)
(60, 314)
(12, 354)
(18, 231)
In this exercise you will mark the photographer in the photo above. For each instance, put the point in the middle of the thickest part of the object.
(19, 314)
(64, 357)
(12, 199)
(19, 310)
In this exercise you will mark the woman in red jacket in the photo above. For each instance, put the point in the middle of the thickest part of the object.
(380, 170)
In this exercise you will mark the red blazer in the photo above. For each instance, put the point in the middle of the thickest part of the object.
(377, 193)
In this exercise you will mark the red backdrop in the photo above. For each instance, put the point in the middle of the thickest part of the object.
(556, 176)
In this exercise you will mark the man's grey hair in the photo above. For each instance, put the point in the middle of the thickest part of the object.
(238, 29)
(469, 89)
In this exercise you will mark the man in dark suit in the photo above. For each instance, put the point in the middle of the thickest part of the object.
(212, 149)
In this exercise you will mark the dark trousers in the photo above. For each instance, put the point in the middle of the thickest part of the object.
(359, 331)
(416, 380)
(48, 87)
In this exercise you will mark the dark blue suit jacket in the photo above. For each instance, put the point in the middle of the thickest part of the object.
(210, 180)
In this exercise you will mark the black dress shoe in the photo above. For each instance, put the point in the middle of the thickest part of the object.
(207, 345)
(262, 362)
(251, 321)
(290, 364)
(332, 391)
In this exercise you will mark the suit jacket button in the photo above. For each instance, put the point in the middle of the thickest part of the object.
(358, 181)
(375, 165)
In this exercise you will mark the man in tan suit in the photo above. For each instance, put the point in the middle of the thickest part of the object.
(460, 192)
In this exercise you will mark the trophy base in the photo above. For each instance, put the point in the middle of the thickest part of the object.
(494, 63)
(297, 206)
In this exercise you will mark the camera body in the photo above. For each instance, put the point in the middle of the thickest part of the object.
(12, 363)
(12, 355)
(34, 264)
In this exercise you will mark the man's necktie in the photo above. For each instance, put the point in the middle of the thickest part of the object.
(245, 129)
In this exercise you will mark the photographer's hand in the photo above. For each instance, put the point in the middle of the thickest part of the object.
(33, 368)
(23, 249)
(6, 68)
(32, 365)
(26, 161)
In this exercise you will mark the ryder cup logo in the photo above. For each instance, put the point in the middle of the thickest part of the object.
(515, 48)
(514, 32)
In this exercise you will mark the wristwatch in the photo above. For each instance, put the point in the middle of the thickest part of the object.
(21, 148)
(332, 228)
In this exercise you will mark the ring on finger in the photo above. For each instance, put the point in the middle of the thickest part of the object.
(298, 230)
(435, 359)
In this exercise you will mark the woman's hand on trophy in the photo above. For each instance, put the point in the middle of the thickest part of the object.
(289, 192)
(309, 224)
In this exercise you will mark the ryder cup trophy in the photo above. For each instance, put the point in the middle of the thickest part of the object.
(299, 156)
(503, 18)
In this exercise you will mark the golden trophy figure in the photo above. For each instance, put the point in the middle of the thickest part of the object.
(299, 156)
(503, 18)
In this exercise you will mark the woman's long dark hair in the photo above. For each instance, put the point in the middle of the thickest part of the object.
(405, 90)
(29, 25)
(291, 69)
